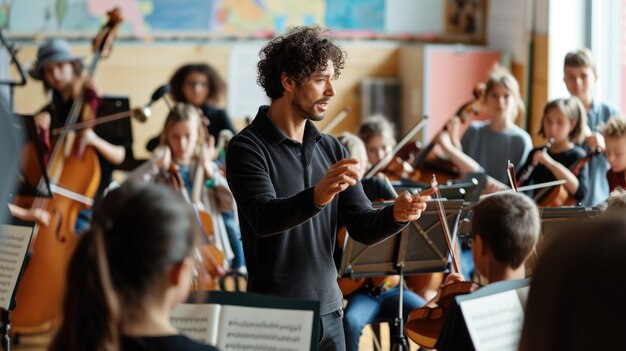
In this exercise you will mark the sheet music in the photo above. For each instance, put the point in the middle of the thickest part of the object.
(254, 328)
(495, 321)
(14, 242)
(199, 322)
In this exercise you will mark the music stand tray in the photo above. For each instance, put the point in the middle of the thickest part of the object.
(420, 247)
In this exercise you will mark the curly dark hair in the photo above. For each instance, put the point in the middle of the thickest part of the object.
(299, 53)
(217, 86)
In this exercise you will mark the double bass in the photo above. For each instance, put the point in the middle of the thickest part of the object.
(75, 175)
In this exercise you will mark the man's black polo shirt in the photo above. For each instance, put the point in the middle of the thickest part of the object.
(287, 240)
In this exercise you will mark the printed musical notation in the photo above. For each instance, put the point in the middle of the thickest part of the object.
(14, 242)
(232, 327)
(198, 321)
(495, 321)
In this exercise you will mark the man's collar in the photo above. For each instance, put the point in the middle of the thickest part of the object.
(274, 135)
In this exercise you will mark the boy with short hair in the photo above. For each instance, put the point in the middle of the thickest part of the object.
(615, 137)
(505, 230)
(580, 77)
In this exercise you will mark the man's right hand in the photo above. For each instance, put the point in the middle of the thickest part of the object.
(338, 178)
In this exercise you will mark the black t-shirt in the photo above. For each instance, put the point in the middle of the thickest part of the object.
(163, 343)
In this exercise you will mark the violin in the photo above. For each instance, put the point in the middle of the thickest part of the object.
(424, 324)
(74, 172)
(423, 162)
(525, 174)
(559, 196)
(384, 165)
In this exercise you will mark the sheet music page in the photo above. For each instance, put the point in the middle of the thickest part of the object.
(254, 328)
(199, 322)
(14, 241)
(495, 321)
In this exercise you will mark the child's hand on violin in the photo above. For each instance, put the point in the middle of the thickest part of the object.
(409, 207)
(163, 160)
(453, 127)
(443, 139)
(542, 157)
(595, 141)
(450, 279)
(338, 178)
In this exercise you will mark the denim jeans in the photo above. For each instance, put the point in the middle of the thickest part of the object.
(234, 238)
(364, 308)
(331, 332)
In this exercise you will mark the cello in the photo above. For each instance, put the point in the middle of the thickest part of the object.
(75, 174)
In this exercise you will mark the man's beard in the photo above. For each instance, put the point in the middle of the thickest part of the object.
(308, 114)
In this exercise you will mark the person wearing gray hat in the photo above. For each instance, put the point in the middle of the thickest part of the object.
(54, 51)
(60, 72)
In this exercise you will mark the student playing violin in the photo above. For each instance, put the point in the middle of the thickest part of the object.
(505, 230)
(378, 136)
(487, 146)
(563, 122)
(580, 76)
(185, 152)
(373, 302)
(200, 85)
(129, 271)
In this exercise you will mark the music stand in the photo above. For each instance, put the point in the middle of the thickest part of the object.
(15, 240)
(467, 189)
(555, 220)
(419, 248)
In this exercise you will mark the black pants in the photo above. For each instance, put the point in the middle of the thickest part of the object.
(331, 332)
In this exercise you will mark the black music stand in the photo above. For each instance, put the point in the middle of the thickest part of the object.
(25, 232)
(419, 248)
(468, 188)
(555, 220)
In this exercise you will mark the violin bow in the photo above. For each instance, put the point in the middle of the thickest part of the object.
(383, 161)
(444, 223)
(510, 171)
(335, 121)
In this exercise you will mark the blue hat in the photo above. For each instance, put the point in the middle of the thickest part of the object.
(51, 51)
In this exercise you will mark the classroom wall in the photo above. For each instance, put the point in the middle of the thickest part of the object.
(136, 70)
